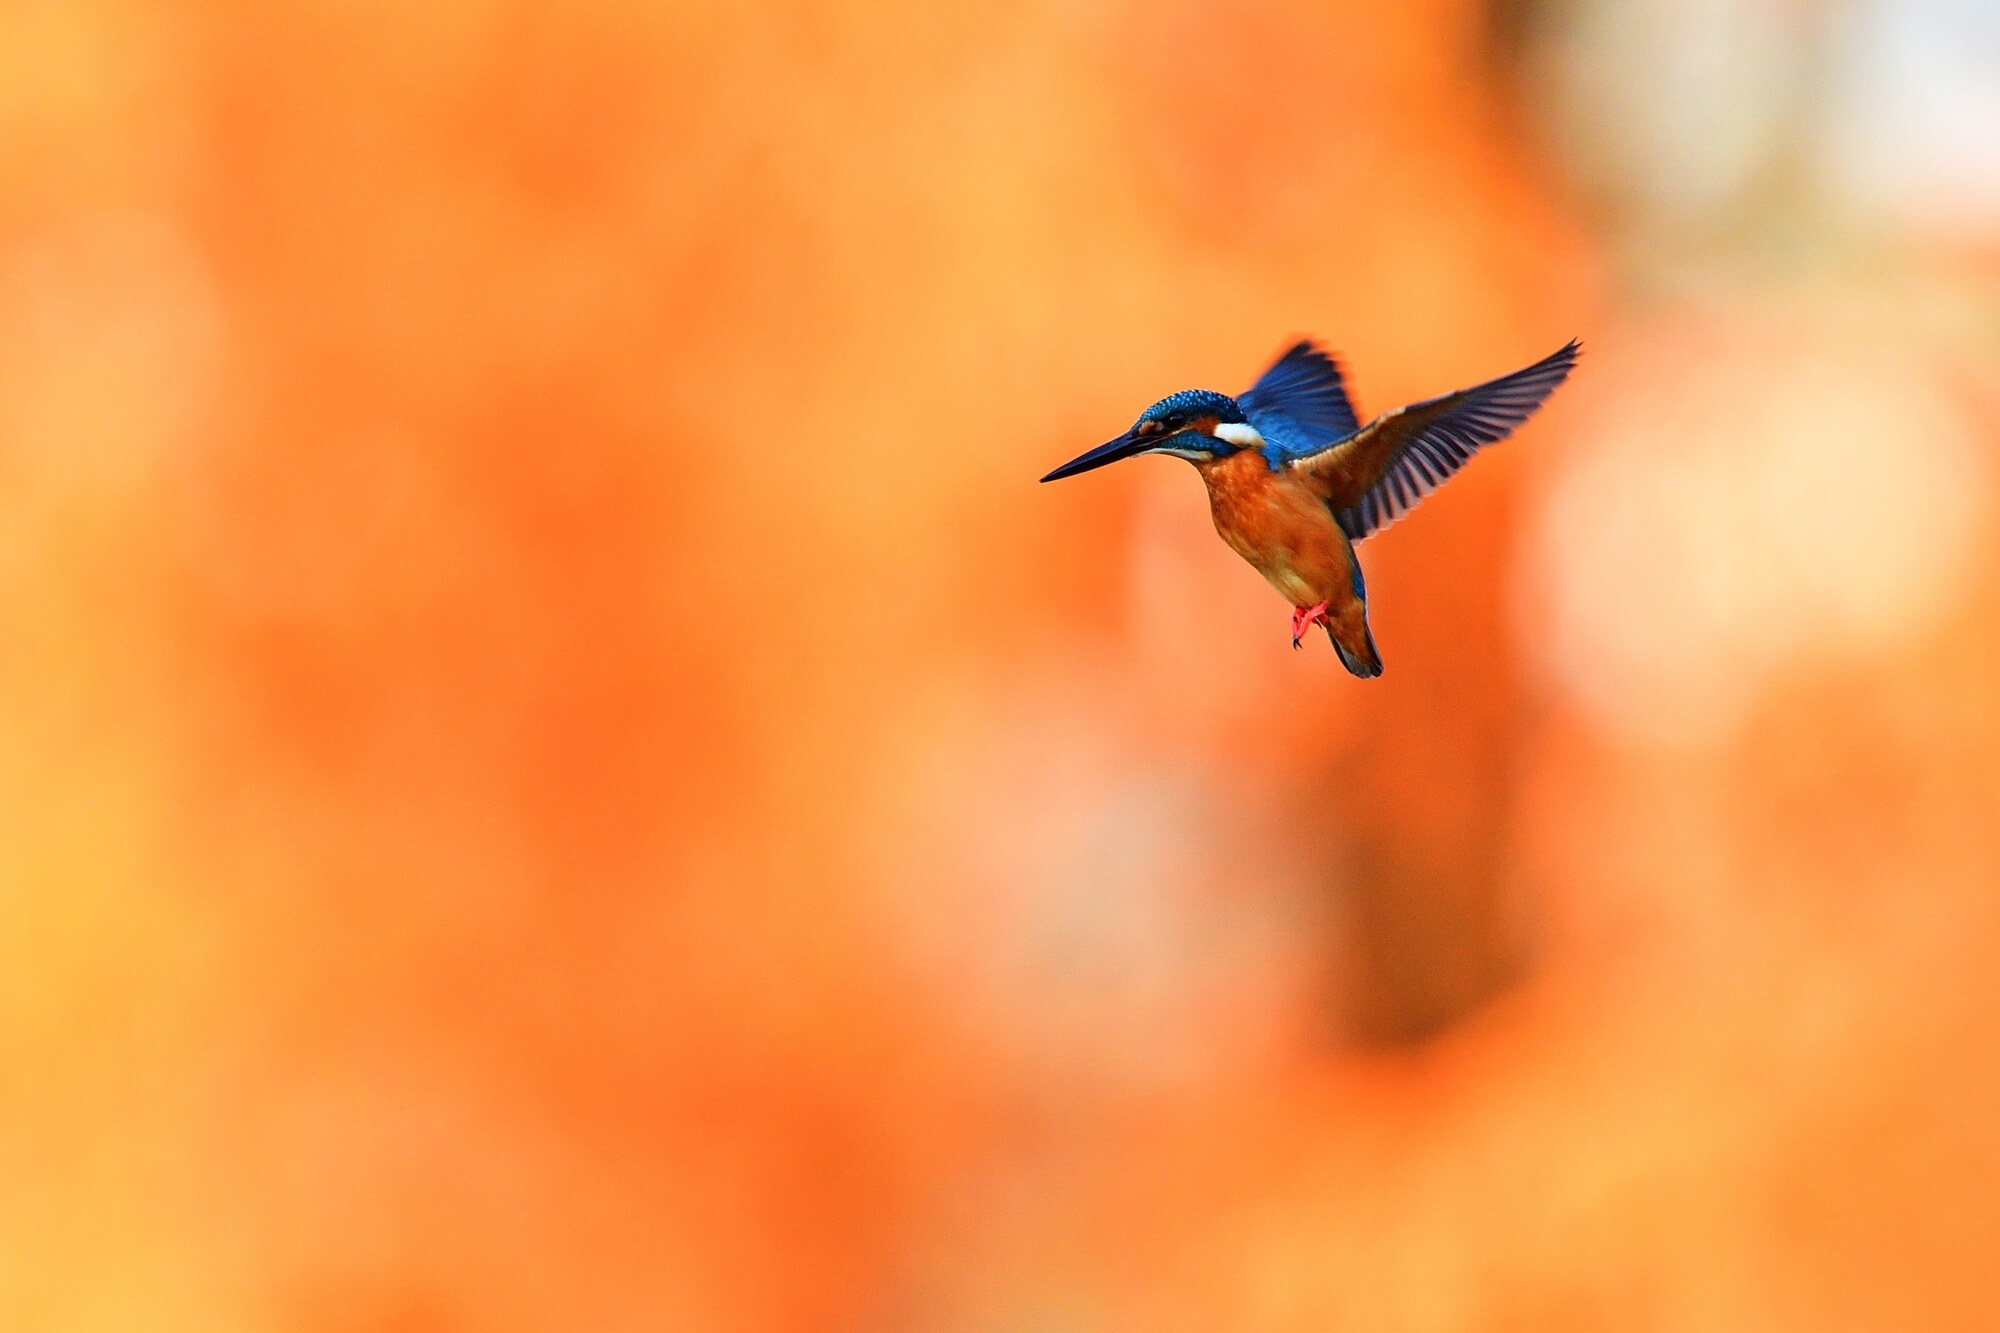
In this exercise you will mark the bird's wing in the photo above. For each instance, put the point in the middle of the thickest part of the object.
(1376, 477)
(1298, 405)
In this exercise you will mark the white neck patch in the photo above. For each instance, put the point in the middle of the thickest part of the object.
(1239, 433)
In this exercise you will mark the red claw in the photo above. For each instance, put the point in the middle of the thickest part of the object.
(1304, 618)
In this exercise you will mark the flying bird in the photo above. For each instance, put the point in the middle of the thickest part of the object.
(1294, 479)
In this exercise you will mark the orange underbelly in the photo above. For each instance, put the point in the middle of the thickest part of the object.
(1284, 531)
(1276, 561)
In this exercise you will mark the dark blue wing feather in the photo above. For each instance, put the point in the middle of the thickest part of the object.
(1406, 454)
(1298, 405)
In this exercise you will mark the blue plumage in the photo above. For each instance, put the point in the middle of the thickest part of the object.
(1189, 404)
(1299, 405)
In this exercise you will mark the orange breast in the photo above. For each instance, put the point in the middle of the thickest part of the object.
(1285, 531)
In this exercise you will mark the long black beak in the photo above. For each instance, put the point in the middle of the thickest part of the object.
(1125, 446)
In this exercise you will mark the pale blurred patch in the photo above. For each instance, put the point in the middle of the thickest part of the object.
(1111, 934)
(111, 348)
(1738, 499)
(1732, 121)
(1667, 108)
(1913, 133)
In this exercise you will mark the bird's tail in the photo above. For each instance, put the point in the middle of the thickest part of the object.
(1356, 646)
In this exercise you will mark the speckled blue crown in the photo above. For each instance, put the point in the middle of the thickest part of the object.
(1191, 403)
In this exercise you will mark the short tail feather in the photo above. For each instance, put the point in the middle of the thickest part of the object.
(1364, 662)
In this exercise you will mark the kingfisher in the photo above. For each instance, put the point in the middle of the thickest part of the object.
(1294, 479)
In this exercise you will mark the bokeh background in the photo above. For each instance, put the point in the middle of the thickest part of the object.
(558, 772)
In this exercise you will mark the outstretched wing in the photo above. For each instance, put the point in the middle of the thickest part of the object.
(1298, 405)
(1376, 477)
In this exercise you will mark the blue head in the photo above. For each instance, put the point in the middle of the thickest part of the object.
(1196, 424)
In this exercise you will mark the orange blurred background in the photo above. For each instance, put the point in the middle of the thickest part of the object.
(558, 771)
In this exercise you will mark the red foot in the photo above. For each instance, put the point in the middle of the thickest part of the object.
(1304, 618)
